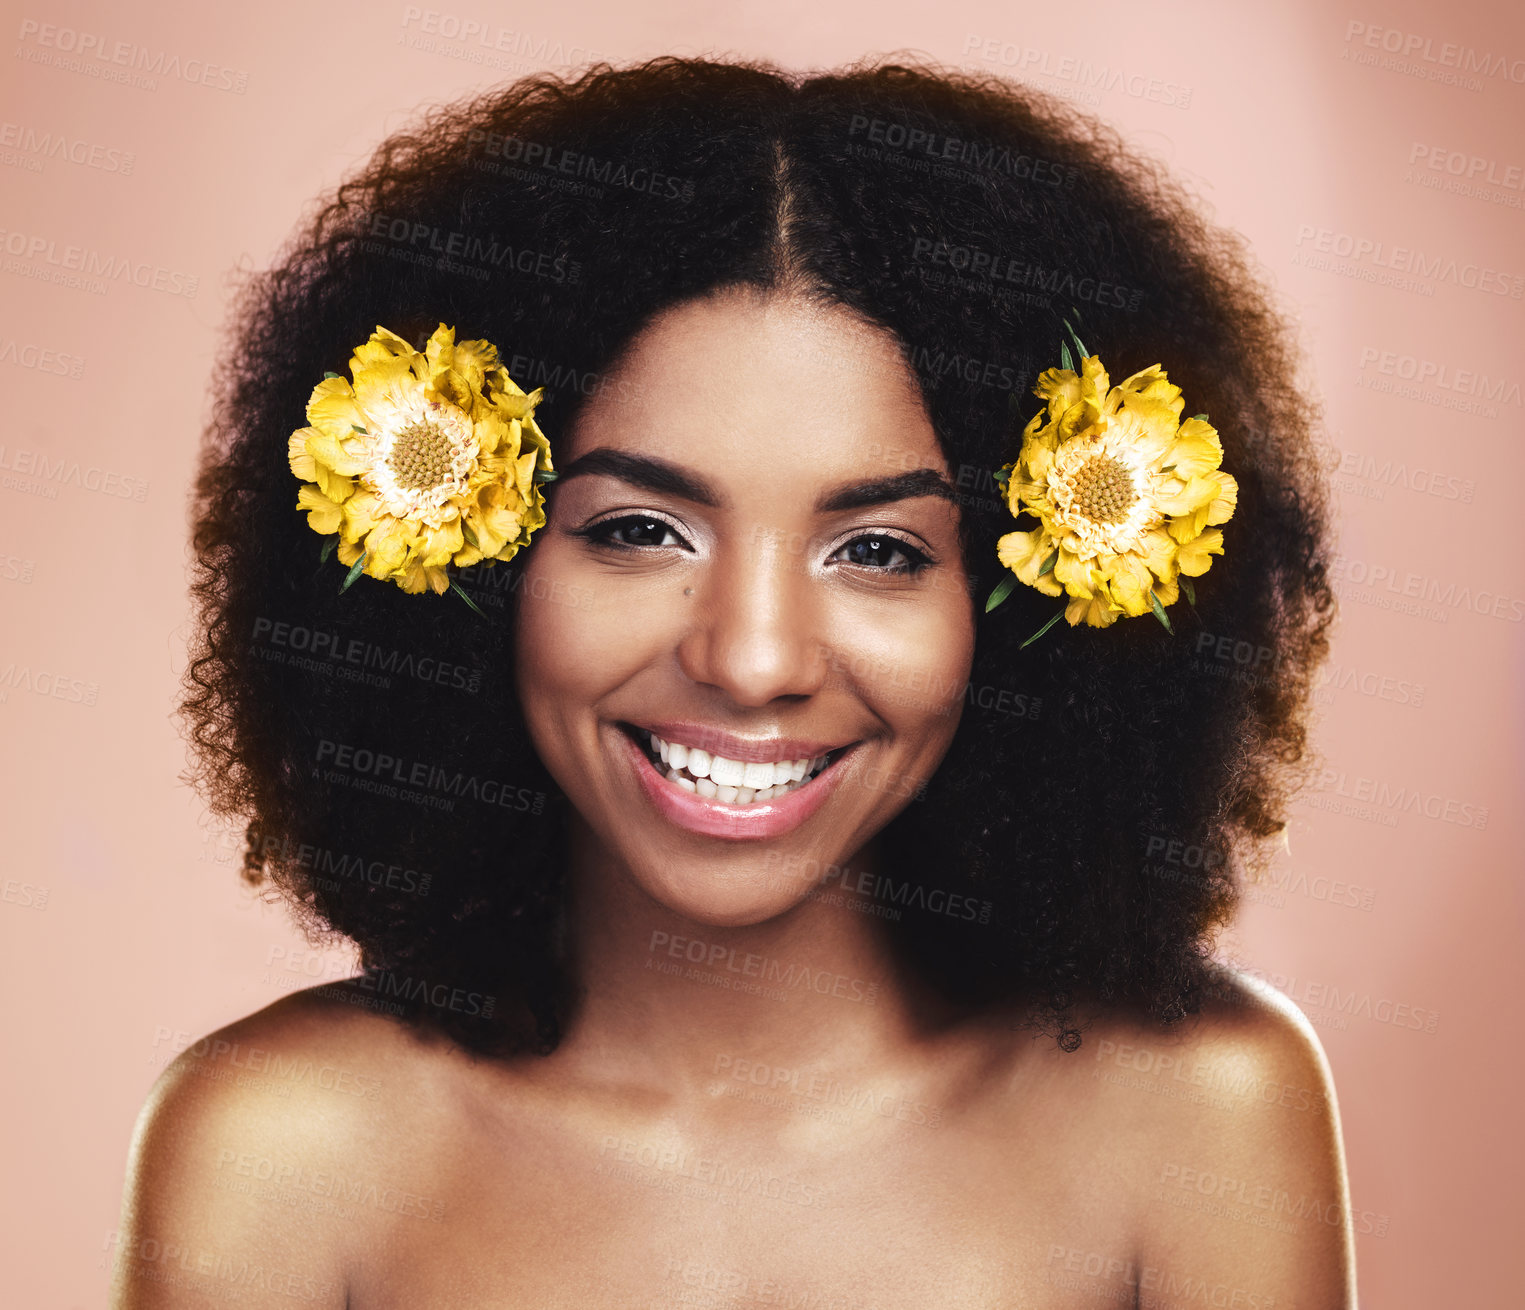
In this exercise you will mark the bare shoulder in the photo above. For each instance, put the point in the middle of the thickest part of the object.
(266, 1157)
(1240, 1168)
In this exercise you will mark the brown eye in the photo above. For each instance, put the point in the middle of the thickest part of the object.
(632, 531)
(887, 554)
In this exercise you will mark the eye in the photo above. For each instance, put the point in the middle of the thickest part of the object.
(883, 554)
(632, 531)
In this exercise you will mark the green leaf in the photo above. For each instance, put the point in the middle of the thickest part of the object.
(331, 375)
(1203, 417)
(1191, 592)
(545, 475)
(1159, 613)
(1053, 558)
(1075, 337)
(328, 549)
(456, 588)
(360, 429)
(1064, 356)
(1041, 630)
(1002, 590)
(1001, 476)
(354, 572)
(470, 534)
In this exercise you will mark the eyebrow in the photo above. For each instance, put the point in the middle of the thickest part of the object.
(671, 479)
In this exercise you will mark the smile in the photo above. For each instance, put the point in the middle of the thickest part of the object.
(716, 794)
(735, 782)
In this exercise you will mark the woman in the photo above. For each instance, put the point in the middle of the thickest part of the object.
(747, 915)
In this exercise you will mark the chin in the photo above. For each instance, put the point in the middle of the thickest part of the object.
(739, 896)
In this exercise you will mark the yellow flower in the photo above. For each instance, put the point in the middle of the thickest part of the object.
(1127, 495)
(428, 458)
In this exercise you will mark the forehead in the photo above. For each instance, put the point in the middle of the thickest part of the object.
(741, 385)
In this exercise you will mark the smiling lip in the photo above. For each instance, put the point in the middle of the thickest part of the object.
(748, 750)
(757, 821)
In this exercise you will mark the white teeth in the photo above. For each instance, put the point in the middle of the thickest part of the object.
(727, 773)
(734, 782)
(688, 784)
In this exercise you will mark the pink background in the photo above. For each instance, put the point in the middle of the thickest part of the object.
(122, 919)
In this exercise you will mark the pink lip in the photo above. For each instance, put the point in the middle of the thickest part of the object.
(755, 822)
(747, 750)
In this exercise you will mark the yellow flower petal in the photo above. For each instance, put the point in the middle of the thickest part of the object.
(1195, 557)
(1221, 510)
(438, 545)
(1193, 495)
(333, 453)
(323, 515)
(1197, 450)
(388, 545)
(1094, 610)
(297, 456)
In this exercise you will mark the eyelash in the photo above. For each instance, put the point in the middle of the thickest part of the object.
(600, 534)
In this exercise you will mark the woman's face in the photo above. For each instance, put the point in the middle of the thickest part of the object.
(752, 554)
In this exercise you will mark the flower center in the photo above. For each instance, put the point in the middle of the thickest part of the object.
(421, 456)
(1103, 490)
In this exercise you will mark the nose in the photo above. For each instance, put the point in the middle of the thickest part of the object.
(756, 633)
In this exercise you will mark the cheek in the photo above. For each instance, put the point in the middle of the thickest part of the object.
(913, 667)
(579, 635)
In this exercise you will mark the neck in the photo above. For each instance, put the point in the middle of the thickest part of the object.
(673, 1002)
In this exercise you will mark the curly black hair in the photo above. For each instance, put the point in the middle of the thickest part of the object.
(1106, 790)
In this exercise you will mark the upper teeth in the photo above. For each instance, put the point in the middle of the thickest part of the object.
(715, 775)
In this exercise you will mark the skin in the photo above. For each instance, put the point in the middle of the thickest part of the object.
(849, 1145)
